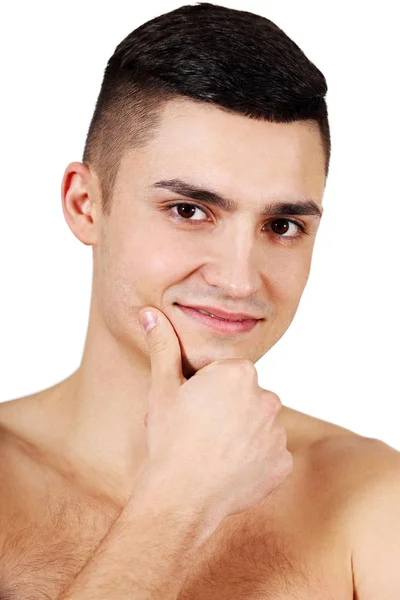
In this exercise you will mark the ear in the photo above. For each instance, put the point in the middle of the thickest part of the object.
(79, 194)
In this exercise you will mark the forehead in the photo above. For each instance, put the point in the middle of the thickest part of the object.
(234, 153)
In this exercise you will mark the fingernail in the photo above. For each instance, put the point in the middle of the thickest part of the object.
(148, 320)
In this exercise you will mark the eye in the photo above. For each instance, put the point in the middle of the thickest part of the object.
(279, 227)
(185, 211)
(282, 226)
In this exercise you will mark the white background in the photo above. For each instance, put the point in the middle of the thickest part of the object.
(339, 360)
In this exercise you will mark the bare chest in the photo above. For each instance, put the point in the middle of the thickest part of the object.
(249, 557)
(293, 546)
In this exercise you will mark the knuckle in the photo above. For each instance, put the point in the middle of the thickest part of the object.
(158, 346)
(238, 367)
(272, 401)
(275, 402)
(288, 462)
(246, 366)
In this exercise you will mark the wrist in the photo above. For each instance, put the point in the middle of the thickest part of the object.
(159, 492)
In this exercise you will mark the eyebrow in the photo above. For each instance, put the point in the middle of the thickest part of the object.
(184, 188)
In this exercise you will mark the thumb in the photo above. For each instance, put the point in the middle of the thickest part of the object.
(165, 353)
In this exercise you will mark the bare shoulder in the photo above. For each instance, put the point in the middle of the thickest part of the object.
(361, 460)
(20, 432)
(335, 445)
(362, 475)
(370, 512)
(353, 462)
(17, 417)
(343, 464)
(22, 419)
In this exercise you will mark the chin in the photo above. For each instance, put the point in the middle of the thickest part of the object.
(198, 359)
(190, 368)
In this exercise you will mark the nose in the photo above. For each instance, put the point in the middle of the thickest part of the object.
(235, 262)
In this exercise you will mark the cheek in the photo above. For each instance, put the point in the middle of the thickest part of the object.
(143, 270)
(285, 288)
(163, 257)
(289, 276)
(134, 267)
(295, 280)
(158, 266)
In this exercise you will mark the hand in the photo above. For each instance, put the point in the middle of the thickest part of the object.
(215, 434)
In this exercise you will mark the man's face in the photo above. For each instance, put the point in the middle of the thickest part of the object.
(240, 261)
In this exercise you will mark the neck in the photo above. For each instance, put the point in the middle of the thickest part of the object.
(98, 413)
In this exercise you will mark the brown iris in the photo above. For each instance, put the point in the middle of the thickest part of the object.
(185, 208)
(282, 224)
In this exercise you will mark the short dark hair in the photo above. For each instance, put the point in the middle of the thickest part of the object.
(236, 60)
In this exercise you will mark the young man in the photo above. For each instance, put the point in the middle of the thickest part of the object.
(160, 469)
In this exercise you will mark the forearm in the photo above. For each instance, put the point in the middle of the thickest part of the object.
(147, 552)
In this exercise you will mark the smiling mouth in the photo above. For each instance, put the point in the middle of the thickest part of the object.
(218, 324)
(204, 312)
(220, 317)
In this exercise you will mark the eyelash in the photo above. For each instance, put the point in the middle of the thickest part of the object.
(284, 239)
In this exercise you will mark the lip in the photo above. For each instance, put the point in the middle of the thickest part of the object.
(224, 327)
(223, 314)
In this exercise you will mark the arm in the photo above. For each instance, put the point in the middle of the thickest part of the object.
(147, 553)
(375, 525)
